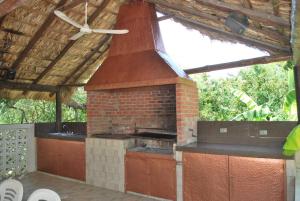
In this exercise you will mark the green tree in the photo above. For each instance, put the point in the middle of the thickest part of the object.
(267, 85)
(33, 111)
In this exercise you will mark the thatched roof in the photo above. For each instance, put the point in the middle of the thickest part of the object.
(36, 43)
(295, 36)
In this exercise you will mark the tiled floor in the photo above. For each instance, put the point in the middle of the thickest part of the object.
(72, 190)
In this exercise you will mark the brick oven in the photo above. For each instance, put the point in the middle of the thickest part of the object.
(138, 85)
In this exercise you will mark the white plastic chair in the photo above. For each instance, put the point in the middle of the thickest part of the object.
(44, 194)
(11, 190)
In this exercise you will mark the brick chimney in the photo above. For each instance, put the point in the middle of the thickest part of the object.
(138, 85)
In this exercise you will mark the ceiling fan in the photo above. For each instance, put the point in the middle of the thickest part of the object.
(85, 29)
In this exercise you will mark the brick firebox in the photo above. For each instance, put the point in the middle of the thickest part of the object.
(171, 107)
(120, 111)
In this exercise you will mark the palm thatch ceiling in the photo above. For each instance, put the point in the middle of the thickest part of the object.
(35, 43)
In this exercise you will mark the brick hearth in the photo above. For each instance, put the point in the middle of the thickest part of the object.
(169, 107)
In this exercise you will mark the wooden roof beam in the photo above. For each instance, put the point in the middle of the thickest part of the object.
(253, 14)
(165, 17)
(9, 5)
(73, 4)
(39, 33)
(237, 64)
(28, 87)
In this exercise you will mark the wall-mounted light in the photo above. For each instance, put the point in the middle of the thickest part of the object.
(7, 74)
(237, 22)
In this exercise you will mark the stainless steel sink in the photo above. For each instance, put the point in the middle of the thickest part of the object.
(66, 134)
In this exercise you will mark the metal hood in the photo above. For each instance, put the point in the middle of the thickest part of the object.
(137, 58)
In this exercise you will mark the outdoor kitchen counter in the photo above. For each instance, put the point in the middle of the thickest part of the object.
(234, 150)
(63, 136)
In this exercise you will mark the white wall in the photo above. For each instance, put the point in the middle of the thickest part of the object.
(297, 159)
(10, 136)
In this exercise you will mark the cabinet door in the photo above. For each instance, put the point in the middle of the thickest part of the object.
(163, 178)
(205, 177)
(137, 174)
(72, 160)
(61, 157)
(47, 156)
(256, 179)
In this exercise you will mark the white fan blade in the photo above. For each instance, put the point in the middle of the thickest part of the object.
(78, 35)
(108, 31)
(67, 19)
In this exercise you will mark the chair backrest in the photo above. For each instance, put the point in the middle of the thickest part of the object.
(11, 190)
(44, 194)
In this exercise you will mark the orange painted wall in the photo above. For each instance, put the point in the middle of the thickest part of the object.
(61, 157)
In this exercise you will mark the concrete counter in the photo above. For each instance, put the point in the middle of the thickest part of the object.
(274, 152)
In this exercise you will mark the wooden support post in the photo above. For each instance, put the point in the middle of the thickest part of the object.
(297, 88)
(58, 111)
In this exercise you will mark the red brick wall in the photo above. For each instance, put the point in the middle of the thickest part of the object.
(187, 112)
(118, 111)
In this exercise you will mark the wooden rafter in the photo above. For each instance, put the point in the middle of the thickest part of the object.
(241, 63)
(73, 4)
(246, 3)
(28, 87)
(253, 14)
(74, 85)
(217, 19)
(36, 37)
(275, 4)
(70, 43)
(76, 77)
(9, 5)
(237, 37)
(2, 20)
(165, 17)
(87, 58)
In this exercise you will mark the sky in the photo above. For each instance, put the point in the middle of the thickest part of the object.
(190, 49)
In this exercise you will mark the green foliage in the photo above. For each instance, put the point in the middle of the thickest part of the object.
(254, 111)
(292, 144)
(257, 93)
(290, 103)
(33, 111)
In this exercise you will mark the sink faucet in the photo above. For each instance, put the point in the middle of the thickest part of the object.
(66, 129)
